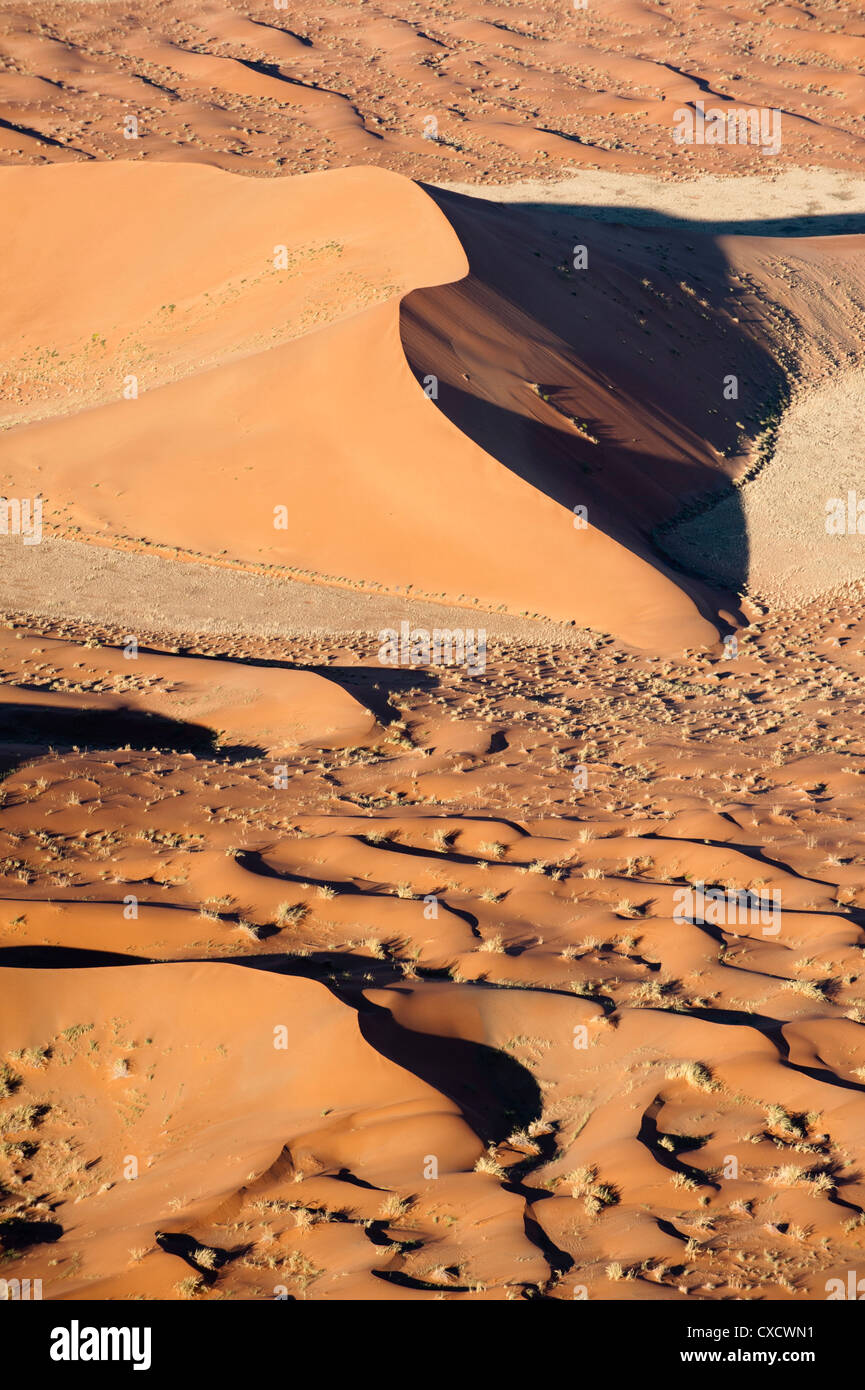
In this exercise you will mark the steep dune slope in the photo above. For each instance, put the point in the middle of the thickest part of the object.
(189, 1081)
(163, 272)
(644, 372)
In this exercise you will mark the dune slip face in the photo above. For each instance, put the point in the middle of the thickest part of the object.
(291, 356)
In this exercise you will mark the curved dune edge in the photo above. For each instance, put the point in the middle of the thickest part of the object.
(231, 1079)
(307, 370)
(230, 705)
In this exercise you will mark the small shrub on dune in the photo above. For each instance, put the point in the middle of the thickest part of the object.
(9, 1081)
(291, 914)
(695, 1073)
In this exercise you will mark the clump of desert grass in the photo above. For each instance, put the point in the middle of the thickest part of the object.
(291, 914)
(492, 850)
(190, 1287)
(9, 1081)
(492, 943)
(596, 1195)
(489, 1164)
(695, 1073)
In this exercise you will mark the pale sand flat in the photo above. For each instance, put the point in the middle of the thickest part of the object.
(791, 556)
(794, 196)
(66, 579)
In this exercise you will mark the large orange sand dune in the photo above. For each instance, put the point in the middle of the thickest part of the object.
(264, 386)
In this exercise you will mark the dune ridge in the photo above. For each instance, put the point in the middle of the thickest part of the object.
(233, 347)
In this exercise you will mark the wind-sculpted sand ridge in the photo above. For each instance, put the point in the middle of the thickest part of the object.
(237, 374)
(424, 1011)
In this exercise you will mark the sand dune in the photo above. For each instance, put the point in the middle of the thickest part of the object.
(167, 1034)
(276, 370)
(231, 704)
(256, 425)
(552, 1083)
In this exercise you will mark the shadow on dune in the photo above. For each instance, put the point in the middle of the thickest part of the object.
(463, 1072)
(17, 1233)
(817, 224)
(604, 386)
(66, 958)
(371, 686)
(188, 1249)
(495, 1093)
(27, 730)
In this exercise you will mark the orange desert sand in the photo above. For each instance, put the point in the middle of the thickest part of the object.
(328, 979)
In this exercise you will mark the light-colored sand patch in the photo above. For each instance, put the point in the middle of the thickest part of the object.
(60, 579)
(825, 202)
(775, 528)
